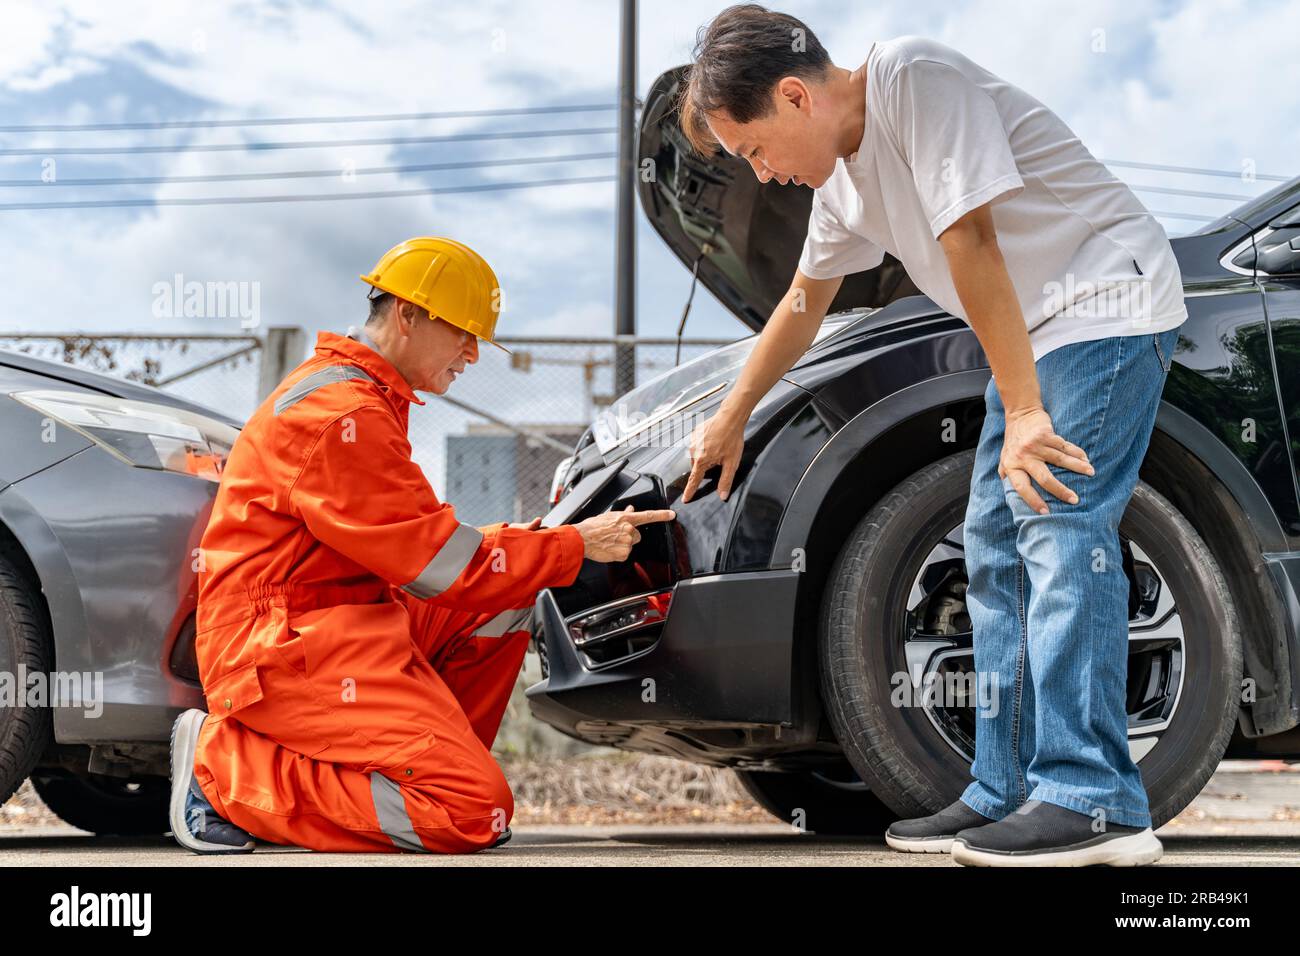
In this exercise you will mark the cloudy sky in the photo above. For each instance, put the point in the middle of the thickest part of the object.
(1210, 83)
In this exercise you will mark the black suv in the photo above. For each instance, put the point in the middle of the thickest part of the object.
(791, 631)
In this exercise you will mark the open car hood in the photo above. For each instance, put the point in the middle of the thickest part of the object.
(750, 233)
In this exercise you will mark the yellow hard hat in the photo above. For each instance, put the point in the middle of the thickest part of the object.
(446, 278)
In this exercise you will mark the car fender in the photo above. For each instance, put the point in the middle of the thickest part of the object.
(857, 434)
(58, 581)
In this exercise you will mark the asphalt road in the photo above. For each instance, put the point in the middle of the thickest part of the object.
(1238, 844)
(1243, 817)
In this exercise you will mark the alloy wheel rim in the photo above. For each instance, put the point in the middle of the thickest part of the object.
(939, 652)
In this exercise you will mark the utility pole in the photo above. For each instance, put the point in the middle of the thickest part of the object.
(625, 224)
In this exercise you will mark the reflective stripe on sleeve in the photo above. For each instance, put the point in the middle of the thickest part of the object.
(390, 811)
(452, 558)
(517, 619)
(326, 376)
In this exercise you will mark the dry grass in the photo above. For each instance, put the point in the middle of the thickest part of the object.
(593, 788)
(25, 809)
(627, 788)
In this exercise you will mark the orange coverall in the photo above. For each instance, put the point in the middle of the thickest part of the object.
(357, 644)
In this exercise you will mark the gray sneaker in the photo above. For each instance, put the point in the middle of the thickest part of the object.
(195, 823)
(933, 834)
(1044, 834)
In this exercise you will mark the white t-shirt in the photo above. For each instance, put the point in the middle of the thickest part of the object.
(943, 136)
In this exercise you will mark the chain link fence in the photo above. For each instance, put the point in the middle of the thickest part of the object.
(490, 446)
(222, 371)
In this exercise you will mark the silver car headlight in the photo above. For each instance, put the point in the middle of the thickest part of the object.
(142, 434)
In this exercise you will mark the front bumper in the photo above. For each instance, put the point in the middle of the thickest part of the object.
(718, 678)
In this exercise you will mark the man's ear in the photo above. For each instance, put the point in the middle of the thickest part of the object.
(795, 92)
(407, 312)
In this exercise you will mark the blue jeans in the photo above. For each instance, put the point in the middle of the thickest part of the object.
(1048, 597)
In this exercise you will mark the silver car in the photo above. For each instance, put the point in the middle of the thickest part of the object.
(105, 489)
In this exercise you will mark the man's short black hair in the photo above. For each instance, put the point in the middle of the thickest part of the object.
(378, 307)
(739, 57)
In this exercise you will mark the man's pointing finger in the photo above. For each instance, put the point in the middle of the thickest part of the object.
(647, 517)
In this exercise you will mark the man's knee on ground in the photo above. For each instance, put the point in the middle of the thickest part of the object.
(482, 806)
(478, 827)
(460, 817)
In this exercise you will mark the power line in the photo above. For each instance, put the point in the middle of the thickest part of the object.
(307, 197)
(461, 114)
(1174, 215)
(300, 144)
(1231, 174)
(36, 183)
(1235, 197)
(305, 173)
(324, 197)
(307, 120)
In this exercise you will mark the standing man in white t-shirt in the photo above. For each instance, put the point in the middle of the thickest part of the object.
(1002, 217)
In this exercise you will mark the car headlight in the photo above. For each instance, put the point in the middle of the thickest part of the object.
(557, 480)
(142, 434)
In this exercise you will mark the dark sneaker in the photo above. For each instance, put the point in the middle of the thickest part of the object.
(195, 823)
(1043, 834)
(502, 840)
(933, 834)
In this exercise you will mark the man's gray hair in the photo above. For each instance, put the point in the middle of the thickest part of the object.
(379, 304)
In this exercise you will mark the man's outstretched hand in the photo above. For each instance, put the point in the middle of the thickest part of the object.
(720, 441)
(610, 536)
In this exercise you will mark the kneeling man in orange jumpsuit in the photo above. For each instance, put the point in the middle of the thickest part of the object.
(357, 643)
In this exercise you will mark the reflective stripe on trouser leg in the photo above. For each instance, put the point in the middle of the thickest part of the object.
(390, 811)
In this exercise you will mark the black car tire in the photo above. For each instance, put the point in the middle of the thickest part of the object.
(898, 751)
(813, 801)
(25, 643)
(106, 805)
